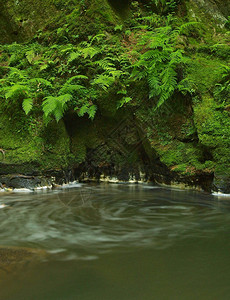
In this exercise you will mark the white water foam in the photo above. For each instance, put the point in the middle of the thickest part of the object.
(219, 194)
(3, 206)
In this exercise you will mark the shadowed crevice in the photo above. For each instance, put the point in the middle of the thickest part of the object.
(120, 6)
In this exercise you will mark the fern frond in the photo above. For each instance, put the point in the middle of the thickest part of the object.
(27, 105)
(138, 73)
(49, 105)
(58, 112)
(63, 99)
(154, 85)
(16, 91)
(103, 81)
(73, 56)
(16, 75)
(169, 83)
(177, 57)
(124, 101)
(186, 27)
(72, 88)
(76, 77)
(56, 105)
(116, 73)
(30, 55)
(90, 52)
(92, 111)
(106, 64)
(87, 108)
(98, 37)
(41, 81)
(149, 55)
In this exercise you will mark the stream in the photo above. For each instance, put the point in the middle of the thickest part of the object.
(115, 242)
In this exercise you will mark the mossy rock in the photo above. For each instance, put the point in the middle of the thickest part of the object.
(20, 20)
(23, 18)
(31, 143)
(213, 127)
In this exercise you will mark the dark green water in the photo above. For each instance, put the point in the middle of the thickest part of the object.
(117, 242)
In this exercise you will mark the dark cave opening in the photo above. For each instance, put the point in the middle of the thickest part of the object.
(120, 6)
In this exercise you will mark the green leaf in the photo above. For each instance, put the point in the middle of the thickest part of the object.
(56, 106)
(17, 91)
(49, 105)
(41, 81)
(27, 105)
(73, 56)
(124, 101)
(103, 81)
(30, 55)
(118, 28)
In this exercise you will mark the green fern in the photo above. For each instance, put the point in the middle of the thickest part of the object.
(76, 78)
(72, 89)
(27, 105)
(99, 37)
(16, 91)
(90, 52)
(103, 81)
(158, 65)
(16, 75)
(222, 89)
(73, 56)
(106, 64)
(56, 106)
(89, 109)
(30, 55)
(41, 81)
(189, 27)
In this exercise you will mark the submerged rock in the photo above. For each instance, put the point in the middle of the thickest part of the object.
(14, 259)
(10, 255)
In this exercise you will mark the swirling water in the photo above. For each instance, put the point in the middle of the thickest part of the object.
(117, 242)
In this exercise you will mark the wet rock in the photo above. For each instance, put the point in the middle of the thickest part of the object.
(221, 184)
(20, 181)
(217, 9)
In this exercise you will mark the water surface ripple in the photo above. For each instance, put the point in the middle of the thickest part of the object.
(110, 242)
(89, 220)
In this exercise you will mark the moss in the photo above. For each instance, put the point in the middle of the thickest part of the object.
(179, 153)
(222, 51)
(24, 18)
(203, 72)
(24, 142)
(96, 16)
(56, 146)
(213, 127)
(83, 136)
(19, 146)
(20, 20)
(186, 142)
(174, 138)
